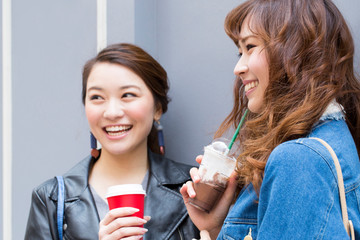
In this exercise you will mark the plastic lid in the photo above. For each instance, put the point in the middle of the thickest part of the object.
(125, 189)
(220, 147)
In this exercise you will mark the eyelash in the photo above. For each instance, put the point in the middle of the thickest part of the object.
(95, 97)
(248, 48)
(127, 95)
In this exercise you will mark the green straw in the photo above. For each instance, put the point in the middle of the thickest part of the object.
(238, 129)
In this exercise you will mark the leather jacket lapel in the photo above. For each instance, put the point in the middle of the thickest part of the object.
(83, 223)
(163, 202)
(81, 217)
(164, 206)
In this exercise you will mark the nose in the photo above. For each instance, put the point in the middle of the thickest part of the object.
(114, 109)
(241, 67)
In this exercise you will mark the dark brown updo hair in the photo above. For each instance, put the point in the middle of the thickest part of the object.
(142, 64)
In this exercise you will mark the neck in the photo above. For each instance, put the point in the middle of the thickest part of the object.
(112, 169)
(124, 164)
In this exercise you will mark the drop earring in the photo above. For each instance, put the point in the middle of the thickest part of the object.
(93, 144)
(159, 129)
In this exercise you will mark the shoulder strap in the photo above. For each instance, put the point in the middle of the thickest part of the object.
(347, 223)
(60, 206)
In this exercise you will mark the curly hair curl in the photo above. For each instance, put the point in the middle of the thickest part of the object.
(310, 52)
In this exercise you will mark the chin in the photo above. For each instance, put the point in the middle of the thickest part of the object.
(252, 108)
(117, 151)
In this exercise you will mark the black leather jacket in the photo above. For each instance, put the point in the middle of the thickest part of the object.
(169, 218)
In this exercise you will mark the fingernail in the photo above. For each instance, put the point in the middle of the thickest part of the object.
(132, 211)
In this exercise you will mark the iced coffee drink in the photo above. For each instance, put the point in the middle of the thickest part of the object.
(215, 170)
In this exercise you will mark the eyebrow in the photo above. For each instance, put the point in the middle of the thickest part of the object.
(246, 37)
(120, 88)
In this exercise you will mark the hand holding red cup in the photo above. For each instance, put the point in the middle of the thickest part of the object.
(127, 195)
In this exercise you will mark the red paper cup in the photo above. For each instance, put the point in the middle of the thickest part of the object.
(127, 195)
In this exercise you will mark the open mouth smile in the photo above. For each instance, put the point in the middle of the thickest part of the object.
(117, 130)
(251, 85)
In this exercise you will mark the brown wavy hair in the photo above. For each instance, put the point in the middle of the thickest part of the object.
(310, 52)
(142, 64)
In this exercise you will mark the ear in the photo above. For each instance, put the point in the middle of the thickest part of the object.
(158, 112)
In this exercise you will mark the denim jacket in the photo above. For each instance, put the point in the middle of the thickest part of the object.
(299, 197)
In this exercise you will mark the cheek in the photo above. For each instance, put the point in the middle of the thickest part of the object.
(259, 66)
(143, 112)
(263, 67)
(91, 114)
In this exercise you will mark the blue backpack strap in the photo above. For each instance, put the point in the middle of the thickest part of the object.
(60, 206)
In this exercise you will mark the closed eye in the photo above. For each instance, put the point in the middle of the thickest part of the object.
(250, 46)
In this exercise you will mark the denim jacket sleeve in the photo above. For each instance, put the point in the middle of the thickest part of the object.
(298, 195)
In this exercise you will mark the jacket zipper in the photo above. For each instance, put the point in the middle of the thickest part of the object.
(181, 238)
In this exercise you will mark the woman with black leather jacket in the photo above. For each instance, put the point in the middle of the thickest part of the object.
(124, 94)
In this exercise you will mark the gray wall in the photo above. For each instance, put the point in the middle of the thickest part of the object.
(53, 39)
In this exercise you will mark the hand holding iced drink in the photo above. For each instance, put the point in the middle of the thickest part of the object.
(214, 172)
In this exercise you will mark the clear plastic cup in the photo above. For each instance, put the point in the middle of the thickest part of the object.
(214, 171)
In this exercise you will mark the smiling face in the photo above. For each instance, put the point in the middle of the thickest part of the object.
(120, 108)
(252, 67)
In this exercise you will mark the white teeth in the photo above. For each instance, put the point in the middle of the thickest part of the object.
(117, 128)
(251, 85)
(115, 133)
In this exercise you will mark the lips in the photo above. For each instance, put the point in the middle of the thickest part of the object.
(251, 85)
(117, 130)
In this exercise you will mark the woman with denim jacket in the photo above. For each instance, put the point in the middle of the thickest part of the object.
(124, 93)
(295, 75)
